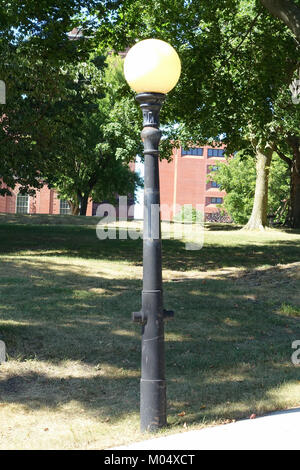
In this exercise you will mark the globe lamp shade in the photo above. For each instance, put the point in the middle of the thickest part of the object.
(152, 66)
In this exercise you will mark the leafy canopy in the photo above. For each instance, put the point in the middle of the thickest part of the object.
(97, 134)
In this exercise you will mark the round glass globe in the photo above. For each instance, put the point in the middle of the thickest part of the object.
(153, 66)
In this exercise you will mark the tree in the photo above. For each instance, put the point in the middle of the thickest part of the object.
(284, 139)
(258, 218)
(24, 132)
(238, 178)
(95, 137)
(42, 27)
(230, 80)
(34, 49)
(286, 11)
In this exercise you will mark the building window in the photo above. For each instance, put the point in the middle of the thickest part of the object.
(215, 153)
(216, 200)
(64, 207)
(196, 151)
(22, 206)
(214, 184)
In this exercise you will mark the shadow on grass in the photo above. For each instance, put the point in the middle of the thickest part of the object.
(227, 348)
(214, 227)
(44, 219)
(290, 230)
(80, 241)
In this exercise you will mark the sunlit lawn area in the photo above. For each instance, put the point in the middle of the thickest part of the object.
(72, 375)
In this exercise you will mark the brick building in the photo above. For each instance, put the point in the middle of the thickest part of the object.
(45, 201)
(185, 180)
(182, 181)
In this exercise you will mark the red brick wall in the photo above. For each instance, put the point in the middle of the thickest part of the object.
(45, 201)
(184, 181)
(90, 208)
(2, 204)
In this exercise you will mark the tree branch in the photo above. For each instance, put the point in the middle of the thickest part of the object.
(246, 35)
(283, 156)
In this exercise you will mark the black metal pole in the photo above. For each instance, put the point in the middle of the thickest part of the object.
(152, 314)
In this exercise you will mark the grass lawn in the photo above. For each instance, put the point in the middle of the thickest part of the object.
(71, 380)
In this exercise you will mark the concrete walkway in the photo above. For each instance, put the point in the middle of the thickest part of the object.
(277, 431)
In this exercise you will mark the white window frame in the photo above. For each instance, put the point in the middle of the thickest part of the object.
(60, 208)
(28, 204)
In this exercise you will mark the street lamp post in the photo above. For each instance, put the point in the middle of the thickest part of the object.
(152, 68)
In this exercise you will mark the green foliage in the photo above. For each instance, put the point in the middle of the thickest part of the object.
(237, 65)
(40, 29)
(24, 133)
(96, 136)
(189, 214)
(238, 176)
(34, 52)
(290, 310)
(229, 77)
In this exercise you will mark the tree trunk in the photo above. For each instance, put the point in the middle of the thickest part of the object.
(83, 204)
(258, 219)
(286, 11)
(293, 217)
(295, 191)
(74, 208)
